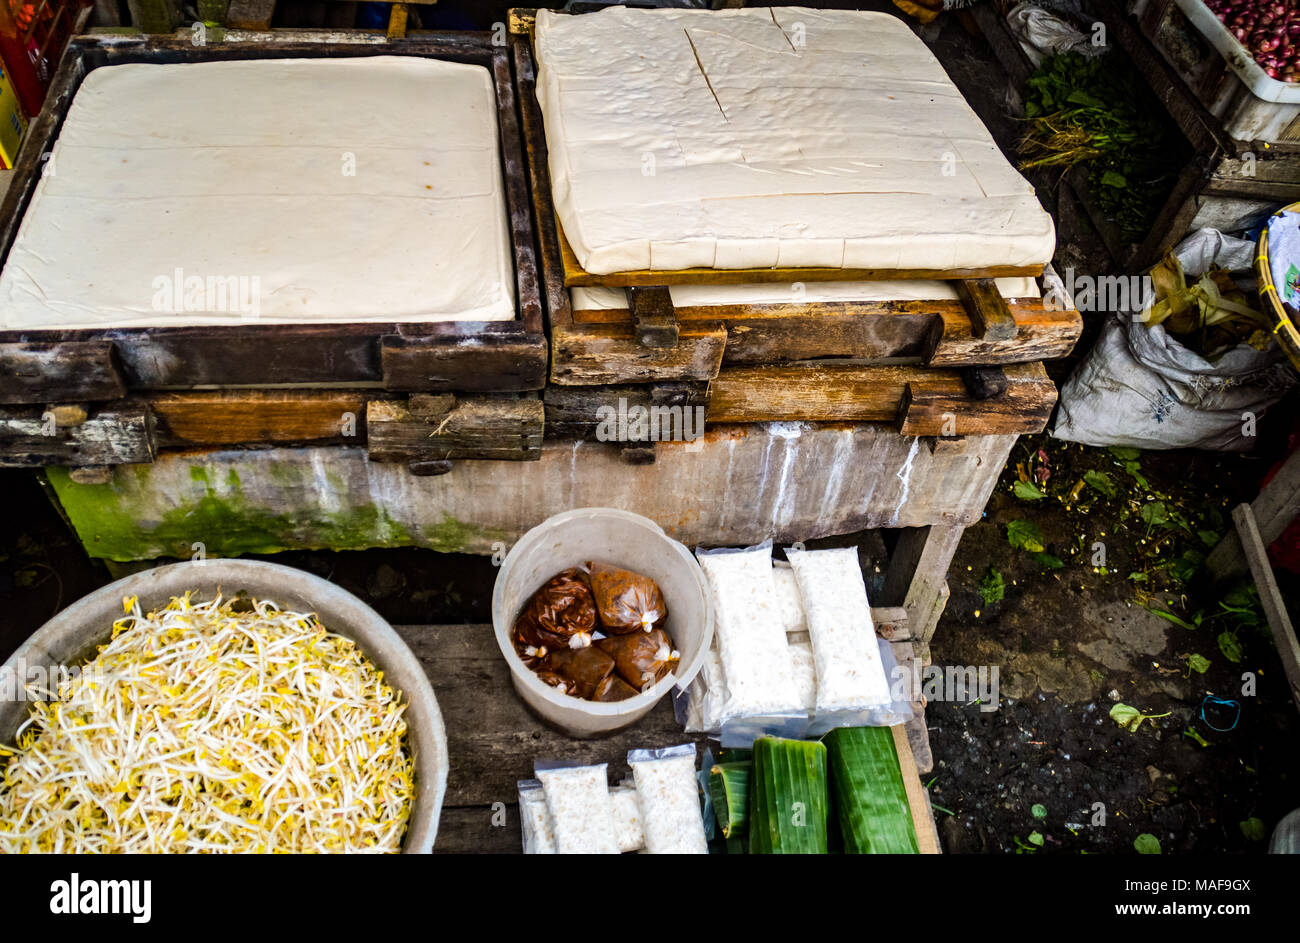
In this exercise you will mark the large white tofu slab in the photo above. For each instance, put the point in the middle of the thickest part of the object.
(781, 137)
(268, 191)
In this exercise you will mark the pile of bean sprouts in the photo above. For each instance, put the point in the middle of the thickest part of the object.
(206, 727)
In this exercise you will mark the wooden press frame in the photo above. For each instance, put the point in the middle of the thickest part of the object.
(46, 366)
(911, 363)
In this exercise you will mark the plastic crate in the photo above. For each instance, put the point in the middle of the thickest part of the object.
(1221, 72)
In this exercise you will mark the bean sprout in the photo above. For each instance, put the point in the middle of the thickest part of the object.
(200, 728)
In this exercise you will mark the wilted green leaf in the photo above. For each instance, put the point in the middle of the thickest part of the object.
(1147, 844)
(1253, 829)
(1198, 663)
(1027, 491)
(1230, 645)
(1130, 718)
(1047, 561)
(1112, 179)
(1036, 838)
(1208, 537)
(1025, 535)
(1038, 810)
(1100, 481)
(1124, 452)
(1154, 514)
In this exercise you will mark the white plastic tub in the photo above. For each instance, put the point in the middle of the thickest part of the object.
(624, 539)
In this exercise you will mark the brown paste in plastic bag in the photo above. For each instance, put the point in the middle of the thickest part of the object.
(614, 688)
(625, 601)
(561, 609)
(582, 668)
(641, 658)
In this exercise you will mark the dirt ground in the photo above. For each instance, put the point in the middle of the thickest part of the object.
(1072, 639)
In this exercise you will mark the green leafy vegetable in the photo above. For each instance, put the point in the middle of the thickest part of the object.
(1147, 844)
(992, 587)
(1025, 535)
(1130, 718)
(1100, 481)
(1027, 491)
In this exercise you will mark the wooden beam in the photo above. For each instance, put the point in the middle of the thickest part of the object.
(984, 382)
(431, 429)
(919, 400)
(917, 577)
(577, 411)
(490, 363)
(598, 354)
(1279, 621)
(653, 319)
(937, 406)
(250, 14)
(118, 434)
(1273, 510)
(260, 417)
(52, 372)
(990, 318)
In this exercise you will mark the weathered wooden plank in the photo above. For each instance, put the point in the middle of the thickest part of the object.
(918, 572)
(941, 405)
(990, 318)
(609, 354)
(493, 740)
(470, 427)
(734, 486)
(117, 434)
(1279, 621)
(674, 411)
(939, 332)
(155, 16)
(259, 417)
(486, 363)
(984, 382)
(250, 14)
(1044, 331)
(1276, 506)
(930, 402)
(653, 319)
(69, 372)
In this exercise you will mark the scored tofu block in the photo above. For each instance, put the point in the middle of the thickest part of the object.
(268, 191)
(771, 138)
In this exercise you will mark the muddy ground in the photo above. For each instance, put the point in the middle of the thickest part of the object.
(1071, 642)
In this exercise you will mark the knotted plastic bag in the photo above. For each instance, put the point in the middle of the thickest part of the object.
(562, 614)
(641, 658)
(582, 668)
(625, 601)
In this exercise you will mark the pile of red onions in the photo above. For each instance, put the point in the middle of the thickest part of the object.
(1270, 31)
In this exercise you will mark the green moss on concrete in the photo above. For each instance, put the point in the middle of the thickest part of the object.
(119, 523)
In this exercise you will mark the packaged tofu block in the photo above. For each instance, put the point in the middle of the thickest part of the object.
(750, 633)
(668, 796)
(534, 819)
(805, 672)
(582, 813)
(850, 675)
(627, 818)
(787, 597)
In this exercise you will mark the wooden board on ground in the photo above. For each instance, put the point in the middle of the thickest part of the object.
(493, 741)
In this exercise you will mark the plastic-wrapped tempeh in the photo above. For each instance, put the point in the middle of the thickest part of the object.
(669, 799)
(582, 812)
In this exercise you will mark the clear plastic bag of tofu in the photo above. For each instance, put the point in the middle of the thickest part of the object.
(534, 819)
(855, 671)
(580, 807)
(668, 796)
(750, 630)
(898, 710)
